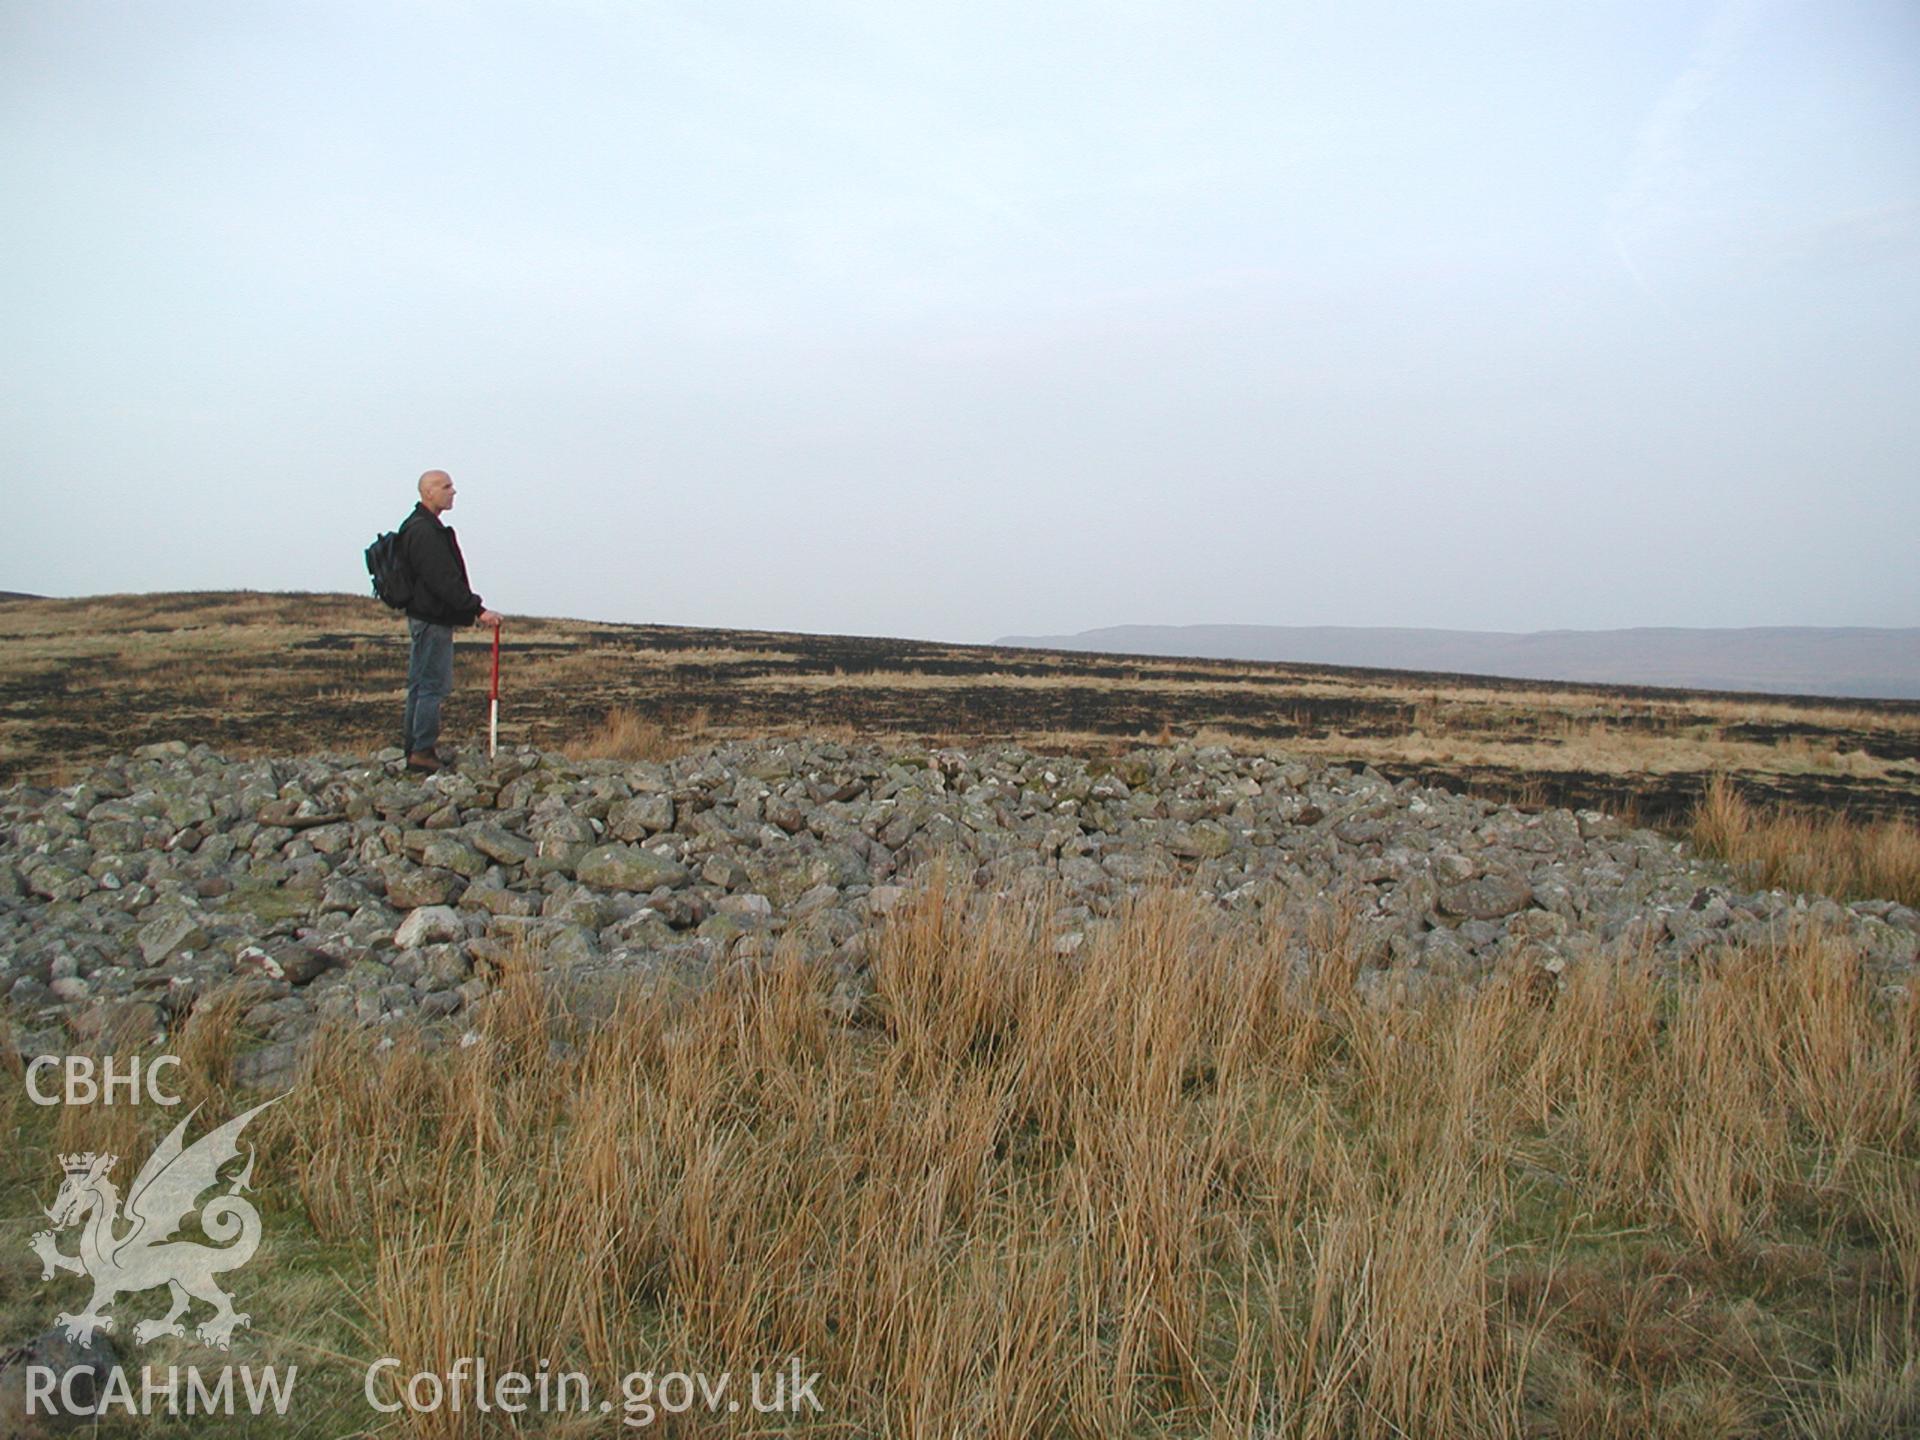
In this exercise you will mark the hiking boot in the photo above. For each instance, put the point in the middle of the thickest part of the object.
(425, 761)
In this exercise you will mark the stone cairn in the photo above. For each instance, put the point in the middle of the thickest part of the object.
(341, 887)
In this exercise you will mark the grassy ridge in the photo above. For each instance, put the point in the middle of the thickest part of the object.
(1167, 1187)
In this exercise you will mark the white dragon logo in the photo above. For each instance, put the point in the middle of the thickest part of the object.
(144, 1257)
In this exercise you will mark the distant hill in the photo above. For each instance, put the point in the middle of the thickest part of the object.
(1779, 660)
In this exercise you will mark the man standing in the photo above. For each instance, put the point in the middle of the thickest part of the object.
(441, 600)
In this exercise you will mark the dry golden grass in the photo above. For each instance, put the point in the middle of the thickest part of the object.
(1174, 1185)
(622, 734)
(695, 657)
(1605, 751)
(1821, 854)
(1679, 712)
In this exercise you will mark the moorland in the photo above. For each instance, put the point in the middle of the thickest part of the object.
(254, 673)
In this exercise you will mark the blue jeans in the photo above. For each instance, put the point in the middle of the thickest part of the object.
(429, 681)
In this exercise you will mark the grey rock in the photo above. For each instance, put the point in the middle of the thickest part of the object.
(271, 1067)
(1358, 831)
(449, 852)
(1489, 897)
(622, 867)
(59, 882)
(497, 901)
(1083, 872)
(294, 963)
(446, 965)
(1206, 839)
(427, 924)
(645, 929)
(29, 994)
(640, 817)
(819, 897)
(1537, 925)
(725, 872)
(502, 845)
(571, 945)
(120, 1024)
(410, 889)
(170, 932)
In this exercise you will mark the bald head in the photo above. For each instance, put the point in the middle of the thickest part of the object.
(436, 491)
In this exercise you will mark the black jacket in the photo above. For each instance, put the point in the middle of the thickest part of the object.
(441, 594)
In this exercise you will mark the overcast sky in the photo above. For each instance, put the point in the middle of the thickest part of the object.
(951, 320)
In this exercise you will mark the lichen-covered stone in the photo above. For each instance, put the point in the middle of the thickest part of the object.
(623, 867)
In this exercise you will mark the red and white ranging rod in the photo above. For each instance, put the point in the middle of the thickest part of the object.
(493, 700)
